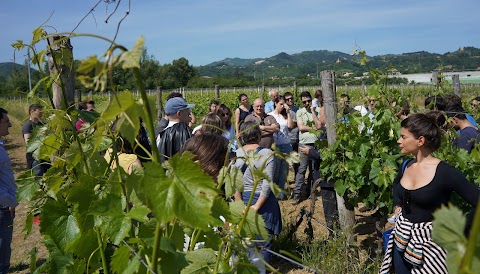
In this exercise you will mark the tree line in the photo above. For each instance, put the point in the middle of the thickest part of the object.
(173, 75)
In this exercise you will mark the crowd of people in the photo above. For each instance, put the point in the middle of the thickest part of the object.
(226, 137)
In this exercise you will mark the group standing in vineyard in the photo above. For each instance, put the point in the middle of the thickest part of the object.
(220, 142)
(276, 128)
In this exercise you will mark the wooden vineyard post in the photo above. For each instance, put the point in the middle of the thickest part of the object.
(263, 89)
(217, 92)
(295, 90)
(457, 89)
(60, 65)
(159, 103)
(78, 96)
(345, 211)
(436, 78)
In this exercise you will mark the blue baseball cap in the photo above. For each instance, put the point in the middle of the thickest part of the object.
(176, 104)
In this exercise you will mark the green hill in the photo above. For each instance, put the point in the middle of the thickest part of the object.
(7, 67)
(309, 62)
(234, 62)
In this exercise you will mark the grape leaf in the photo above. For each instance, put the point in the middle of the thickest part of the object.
(233, 180)
(188, 194)
(254, 225)
(448, 227)
(120, 259)
(60, 262)
(201, 261)
(84, 245)
(59, 223)
(129, 112)
(131, 58)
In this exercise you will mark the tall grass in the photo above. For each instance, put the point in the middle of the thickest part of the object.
(326, 255)
(338, 255)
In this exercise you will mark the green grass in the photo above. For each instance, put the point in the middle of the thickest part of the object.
(333, 255)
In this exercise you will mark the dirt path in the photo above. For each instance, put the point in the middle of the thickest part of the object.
(21, 246)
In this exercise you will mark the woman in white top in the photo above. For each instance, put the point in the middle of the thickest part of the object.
(229, 130)
(283, 115)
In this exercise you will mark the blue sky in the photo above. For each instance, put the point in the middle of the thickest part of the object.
(204, 31)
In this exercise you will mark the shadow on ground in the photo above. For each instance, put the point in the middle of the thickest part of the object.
(23, 266)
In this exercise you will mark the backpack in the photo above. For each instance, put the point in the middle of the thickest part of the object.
(244, 167)
(405, 164)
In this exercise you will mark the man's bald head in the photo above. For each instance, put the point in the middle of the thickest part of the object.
(258, 106)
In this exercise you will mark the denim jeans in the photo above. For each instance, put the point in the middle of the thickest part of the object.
(6, 232)
(281, 167)
(40, 167)
(400, 265)
(305, 162)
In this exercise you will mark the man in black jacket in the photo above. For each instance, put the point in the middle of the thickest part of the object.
(171, 139)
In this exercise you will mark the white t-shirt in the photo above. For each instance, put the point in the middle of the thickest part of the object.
(281, 137)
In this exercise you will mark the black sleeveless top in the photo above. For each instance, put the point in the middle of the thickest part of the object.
(244, 113)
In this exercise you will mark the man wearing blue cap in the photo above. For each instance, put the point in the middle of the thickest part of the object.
(171, 139)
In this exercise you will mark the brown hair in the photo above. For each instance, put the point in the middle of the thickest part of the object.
(212, 124)
(222, 109)
(426, 125)
(34, 107)
(250, 133)
(209, 150)
(319, 96)
(284, 111)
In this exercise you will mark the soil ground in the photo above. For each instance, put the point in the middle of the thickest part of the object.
(22, 246)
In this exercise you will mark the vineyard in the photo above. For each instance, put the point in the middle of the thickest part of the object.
(364, 166)
(172, 217)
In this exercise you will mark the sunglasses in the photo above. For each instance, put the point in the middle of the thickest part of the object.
(225, 114)
(307, 101)
(474, 105)
(288, 99)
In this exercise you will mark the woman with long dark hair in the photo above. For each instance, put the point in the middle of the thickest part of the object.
(229, 131)
(423, 186)
(283, 115)
(210, 150)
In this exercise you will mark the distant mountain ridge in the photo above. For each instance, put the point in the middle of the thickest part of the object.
(283, 57)
(7, 67)
(310, 62)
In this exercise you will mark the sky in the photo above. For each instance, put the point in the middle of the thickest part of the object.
(205, 31)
